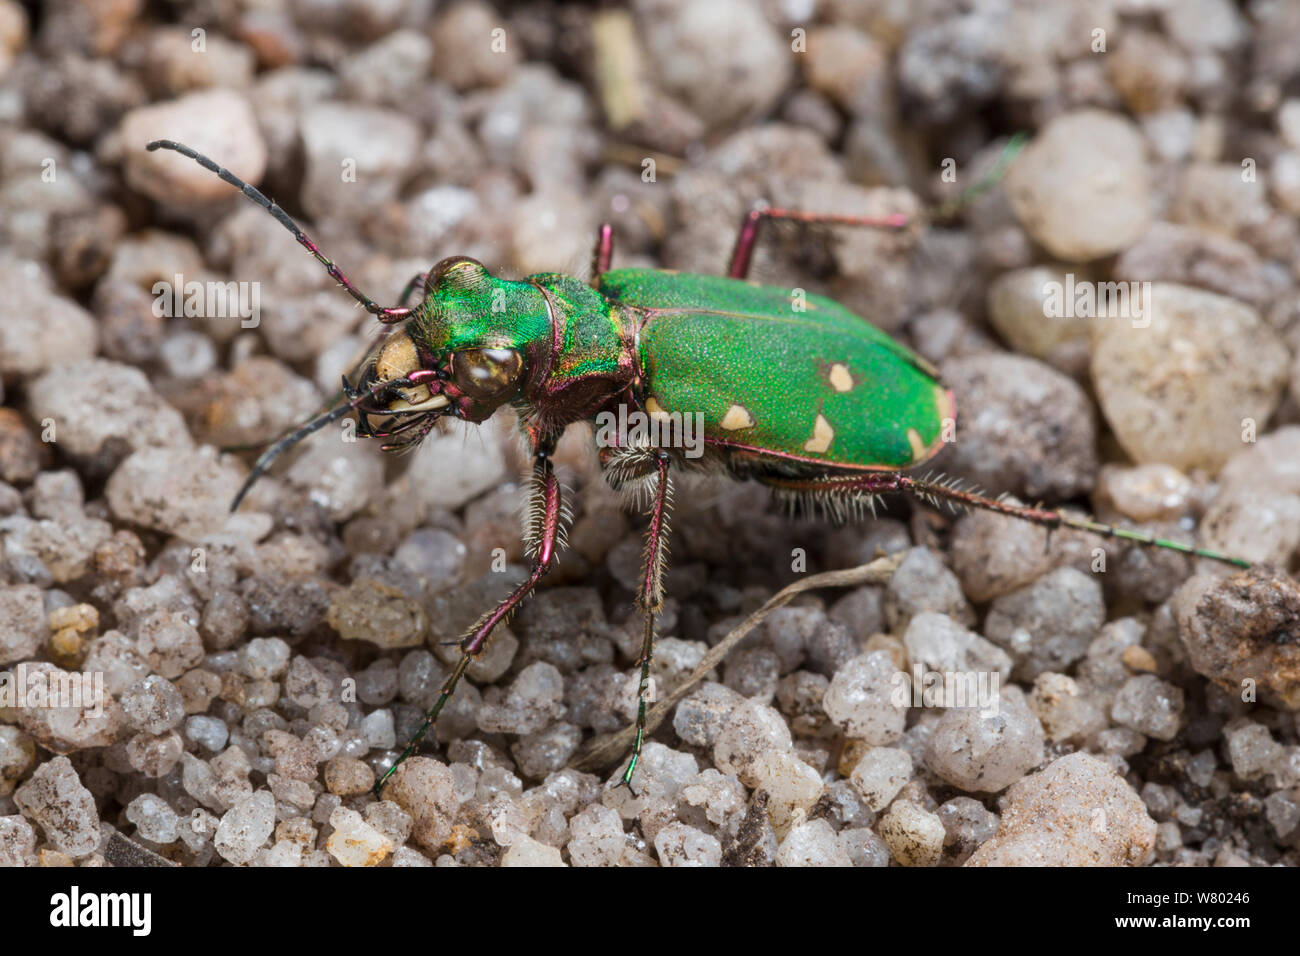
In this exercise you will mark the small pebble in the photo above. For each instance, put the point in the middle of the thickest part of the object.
(880, 774)
(370, 610)
(1150, 706)
(1075, 812)
(1048, 625)
(354, 842)
(426, 790)
(154, 819)
(210, 733)
(680, 845)
(55, 798)
(1109, 203)
(750, 730)
(153, 705)
(980, 751)
(1177, 389)
(913, 834)
(245, 828)
(861, 699)
(812, 844)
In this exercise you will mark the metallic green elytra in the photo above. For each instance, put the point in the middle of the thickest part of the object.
(829, 389)
(774, 374)
(789, 389)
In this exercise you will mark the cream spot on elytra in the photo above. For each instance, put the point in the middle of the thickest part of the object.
(840, 378)
(737, 417)
(918, 446)
(821, 437)
(943, 401)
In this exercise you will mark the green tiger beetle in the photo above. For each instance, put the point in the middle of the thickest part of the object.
(817, 404)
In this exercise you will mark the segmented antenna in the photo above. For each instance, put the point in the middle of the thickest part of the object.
(384, 314)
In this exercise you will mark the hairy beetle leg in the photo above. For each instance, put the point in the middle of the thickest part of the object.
(749, 228)
(650, 598)
(546, 516)
(935, 491)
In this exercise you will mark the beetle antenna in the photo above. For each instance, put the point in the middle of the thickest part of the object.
(384, 314)
(355, 399)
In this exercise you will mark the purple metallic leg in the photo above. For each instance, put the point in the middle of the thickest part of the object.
(604, 253)
(743, 250)
(650, 597)
(546, 517)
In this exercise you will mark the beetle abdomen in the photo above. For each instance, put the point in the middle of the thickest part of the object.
(795, 378)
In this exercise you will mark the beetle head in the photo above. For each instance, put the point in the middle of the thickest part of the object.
(464, 349)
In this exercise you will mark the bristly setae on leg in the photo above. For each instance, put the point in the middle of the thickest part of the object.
(840, 495)
(788, 397)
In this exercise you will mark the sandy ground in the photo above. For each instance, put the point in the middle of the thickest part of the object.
(1116, 318)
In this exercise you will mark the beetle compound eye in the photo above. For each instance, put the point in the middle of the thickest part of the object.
(486, 373)
(456, 272)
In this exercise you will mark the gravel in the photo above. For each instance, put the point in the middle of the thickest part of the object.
(249, 676)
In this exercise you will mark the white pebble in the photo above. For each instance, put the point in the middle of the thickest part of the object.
(355, 842)
(880, 774)
(153, 818)
(914, 835)
(211, 733)
(528, 852)
(680, 845)
(861, 701)
(246, 827)
(750, 730)
(812, 844)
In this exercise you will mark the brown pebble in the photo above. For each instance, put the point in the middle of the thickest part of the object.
(1138, 658)
(348, 775)
(78, 617)
(20, 453)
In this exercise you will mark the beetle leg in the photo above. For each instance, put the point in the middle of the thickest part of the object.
(749, 227)
(604, 252)
(836, 490)
(650, 596)
(417, 280)
(545, 533)
(743, 250)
